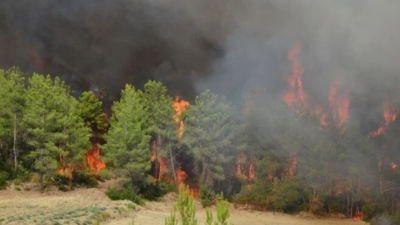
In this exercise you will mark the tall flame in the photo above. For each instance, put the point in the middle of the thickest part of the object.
(93, 157)
(389, 115)
(295, 96)
(179, 105)
(339, 102)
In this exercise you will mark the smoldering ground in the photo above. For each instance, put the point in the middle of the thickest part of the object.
(229, 46)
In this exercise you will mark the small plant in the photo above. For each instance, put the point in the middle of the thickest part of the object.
(131, 206)
(222, 214)
(186, 209)
(18, 189)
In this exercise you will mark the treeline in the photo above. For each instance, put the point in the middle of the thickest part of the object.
(267, 155)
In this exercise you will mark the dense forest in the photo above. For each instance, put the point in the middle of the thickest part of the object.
(275, 155)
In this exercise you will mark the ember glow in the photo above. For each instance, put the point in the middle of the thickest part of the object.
(93, 157)
(389, 115)
(64, 171)
(393, 165)
(358, 216)
(179, 106)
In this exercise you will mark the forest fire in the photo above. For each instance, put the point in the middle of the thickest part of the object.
(339, 102)
(64, 171)
(296, 97)
(179, 105)
(389, 115)
(93, 158)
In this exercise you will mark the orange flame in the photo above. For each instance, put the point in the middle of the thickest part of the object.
(179, 105)
(94, 161)
(295, 95)
(251, 171)
(393, 165)
(153, 157)
(64, 171)
(163, 164)
(389, 115)
(358, 216)
(339, 102)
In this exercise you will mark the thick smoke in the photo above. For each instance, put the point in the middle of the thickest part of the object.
(111, 43)
(355, 40)
(230, 46)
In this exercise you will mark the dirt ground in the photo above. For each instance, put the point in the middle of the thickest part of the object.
(88, 206)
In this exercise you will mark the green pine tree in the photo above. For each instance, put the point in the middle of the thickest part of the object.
(161, 125)
(90, 109)
(128, 141)
(210, 129)
(12, 95)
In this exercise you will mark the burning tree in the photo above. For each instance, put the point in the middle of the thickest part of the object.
(161, 126)
(55, 131)
(90, 109)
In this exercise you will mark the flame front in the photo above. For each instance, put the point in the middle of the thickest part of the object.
(93, 157)
(179, 105)
(389, 115)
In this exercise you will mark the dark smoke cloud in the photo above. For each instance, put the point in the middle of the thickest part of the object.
(110, 43)
(229, 46)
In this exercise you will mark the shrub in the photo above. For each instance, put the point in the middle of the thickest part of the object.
(105, 174)
(287, 196)
(3, 179)
(207, 196)
(84, 180)
(258, 196)
(124, 194)
(20, 174)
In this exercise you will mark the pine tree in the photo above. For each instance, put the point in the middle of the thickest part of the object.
(128, 141)
(210, 129)
(90, 109)
(53, 127)
(76, 138)
(161, 125)
(12, 95)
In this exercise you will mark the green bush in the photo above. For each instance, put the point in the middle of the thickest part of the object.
(3, 179)
(124, 194)
(287, 196)
(207, 196)
(84, 180)
(153, 192)
(20, 173)
(257, 195)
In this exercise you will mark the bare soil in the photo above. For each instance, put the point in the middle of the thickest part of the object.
(88, 206)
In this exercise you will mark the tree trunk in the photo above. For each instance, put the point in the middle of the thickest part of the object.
(172, 165)
(15, 141)
(41, 181)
